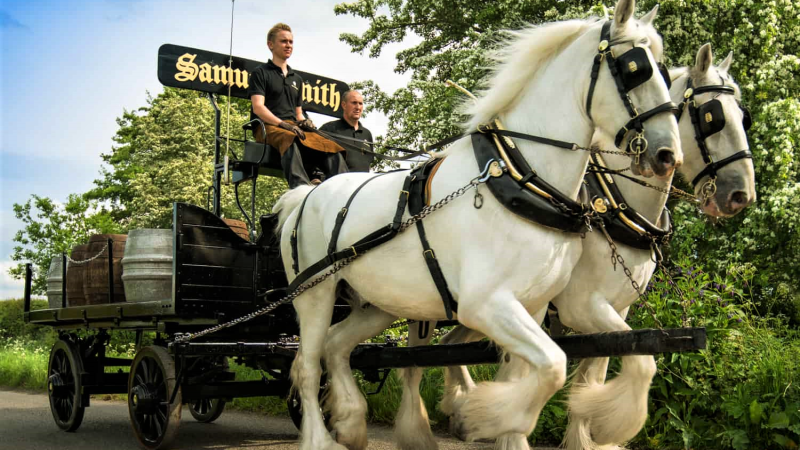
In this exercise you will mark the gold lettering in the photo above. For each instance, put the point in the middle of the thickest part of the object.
(316, 94)
(307, 93)
(324, 95)
(223, 75)
(187, 68)
(335, 97)
(242, 79)
(205, 73)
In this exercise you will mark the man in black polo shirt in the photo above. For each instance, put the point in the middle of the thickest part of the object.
(276, 95)
(352, 107)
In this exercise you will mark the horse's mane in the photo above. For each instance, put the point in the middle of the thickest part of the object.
(523, 55)
(527, 52)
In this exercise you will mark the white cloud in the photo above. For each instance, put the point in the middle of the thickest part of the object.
(9, 287)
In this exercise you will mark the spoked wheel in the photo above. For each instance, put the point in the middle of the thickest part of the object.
(207, 410)
(295, 405)
(150, 384)
(64, 385)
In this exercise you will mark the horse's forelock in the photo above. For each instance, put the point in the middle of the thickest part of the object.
(524, 53)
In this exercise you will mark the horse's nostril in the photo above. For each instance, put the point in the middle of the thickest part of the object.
(739, 199)
(666, 157)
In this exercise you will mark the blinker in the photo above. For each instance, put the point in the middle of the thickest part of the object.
(634, 67)
(747, 121)
(713, 118)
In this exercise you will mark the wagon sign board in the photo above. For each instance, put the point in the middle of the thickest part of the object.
(201, 70)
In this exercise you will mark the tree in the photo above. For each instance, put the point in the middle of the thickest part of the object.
(52, 229)
(459, 35)
(164, 153)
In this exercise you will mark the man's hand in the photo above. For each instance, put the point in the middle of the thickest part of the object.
(307, 125)
(293, 128)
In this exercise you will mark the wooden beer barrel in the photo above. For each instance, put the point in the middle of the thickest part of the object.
(147, 265)
(75, 272)
(95, 278)
(54, 282)
(239, 227)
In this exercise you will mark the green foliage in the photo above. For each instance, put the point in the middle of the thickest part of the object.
(164, 153)
(13, 326)
(741, 391)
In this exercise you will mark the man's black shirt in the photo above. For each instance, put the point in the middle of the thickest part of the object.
(282, 95)
(357, 160)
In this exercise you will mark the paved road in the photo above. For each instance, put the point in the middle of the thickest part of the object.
(27, 424)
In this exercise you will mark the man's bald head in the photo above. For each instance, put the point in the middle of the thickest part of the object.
(352, 106)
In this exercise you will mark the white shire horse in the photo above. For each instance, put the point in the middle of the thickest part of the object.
(597, 298)
(497, 265)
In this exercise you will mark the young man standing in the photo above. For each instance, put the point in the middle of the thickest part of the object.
(276, 96)
(350, 126)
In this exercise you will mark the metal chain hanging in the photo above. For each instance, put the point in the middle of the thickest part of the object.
(186, 337)
(78, 263)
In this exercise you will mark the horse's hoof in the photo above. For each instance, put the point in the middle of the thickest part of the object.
(457, 428)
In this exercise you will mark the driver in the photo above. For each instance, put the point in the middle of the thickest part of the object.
(276, 95)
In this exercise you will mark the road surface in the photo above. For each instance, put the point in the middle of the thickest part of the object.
(27, 424)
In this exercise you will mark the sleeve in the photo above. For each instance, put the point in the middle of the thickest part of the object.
(258, 84)
(328, 126)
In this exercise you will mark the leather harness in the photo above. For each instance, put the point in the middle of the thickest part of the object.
(511, 180)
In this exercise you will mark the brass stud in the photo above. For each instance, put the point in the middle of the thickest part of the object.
(688, 93)
(603, 45)
(495, 170)
(632, 66)
(709, 117)
(599, 205)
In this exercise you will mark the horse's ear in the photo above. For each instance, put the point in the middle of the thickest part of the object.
(623, 11)
(704, 59)
(649, 17)
(726, 64)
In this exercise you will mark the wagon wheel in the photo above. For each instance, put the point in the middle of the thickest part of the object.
(150, 384)
(64, 385)
(208, 410)
(295, 405)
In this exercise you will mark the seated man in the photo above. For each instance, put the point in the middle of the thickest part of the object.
(276, 96)
(353, 105)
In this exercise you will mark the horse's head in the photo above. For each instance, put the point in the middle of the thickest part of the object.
(648, 132)
(718, 160)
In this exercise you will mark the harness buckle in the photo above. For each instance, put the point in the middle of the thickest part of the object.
(404, 192)
(355, 253)
(344, 212)
(433, 255)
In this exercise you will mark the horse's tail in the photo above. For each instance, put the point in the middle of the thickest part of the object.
(288, 202)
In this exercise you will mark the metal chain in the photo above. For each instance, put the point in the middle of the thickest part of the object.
(673, 191)
(617, 258)
(186, 337)
(78, 263)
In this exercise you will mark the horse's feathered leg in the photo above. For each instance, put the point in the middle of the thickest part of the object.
(494, 409)
(345, 401)
(605, 413)
(457, 380)
(314, 311)
(412, 430)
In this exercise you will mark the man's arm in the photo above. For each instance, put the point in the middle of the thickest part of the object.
(262, 111)
(299, 114)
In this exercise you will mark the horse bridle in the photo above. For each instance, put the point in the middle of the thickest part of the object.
(708, 119)
(629, 70)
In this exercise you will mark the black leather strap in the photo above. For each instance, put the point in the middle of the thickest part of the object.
(637, 122)
(337, 228)
(293, 238)
(416, 202)
(605, 35)
(368, 242)
(712, 168)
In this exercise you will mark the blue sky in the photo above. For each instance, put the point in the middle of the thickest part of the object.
(70, 68)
